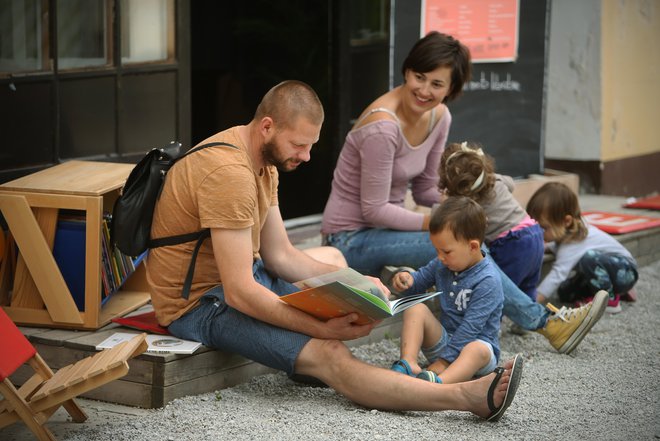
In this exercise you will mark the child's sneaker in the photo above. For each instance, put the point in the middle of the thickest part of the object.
(630, 296)
(429, 376)
(583, 301)
(613, 305)
(566, 327)
(402, 367)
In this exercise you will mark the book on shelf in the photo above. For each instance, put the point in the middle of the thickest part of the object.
(116, 266)
(157, 344)
(346, 291)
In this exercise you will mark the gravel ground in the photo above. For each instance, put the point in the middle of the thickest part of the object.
(606, 390)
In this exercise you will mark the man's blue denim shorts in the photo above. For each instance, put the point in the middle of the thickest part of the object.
(218, 326)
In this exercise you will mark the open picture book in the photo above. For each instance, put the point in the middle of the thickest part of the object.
(345, 291)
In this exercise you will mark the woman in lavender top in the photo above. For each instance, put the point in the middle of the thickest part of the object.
(396, 143)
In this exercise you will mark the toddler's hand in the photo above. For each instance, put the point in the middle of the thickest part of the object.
(402, 281)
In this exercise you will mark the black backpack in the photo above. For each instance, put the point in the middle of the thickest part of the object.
(133, 211)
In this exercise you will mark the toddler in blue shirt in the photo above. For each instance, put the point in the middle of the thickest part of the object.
(464, 342)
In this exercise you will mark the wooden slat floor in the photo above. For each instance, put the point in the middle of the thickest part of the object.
(156, 379)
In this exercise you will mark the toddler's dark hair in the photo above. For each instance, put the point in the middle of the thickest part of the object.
(464, 217)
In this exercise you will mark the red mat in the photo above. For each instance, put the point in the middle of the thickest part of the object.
(651, 203)
(143, 322)
(616, 223)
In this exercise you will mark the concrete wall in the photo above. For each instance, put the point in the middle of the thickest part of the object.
(602, 94)
(573, 101)
(630, 75)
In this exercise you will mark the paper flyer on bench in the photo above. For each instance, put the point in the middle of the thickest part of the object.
(157, 343)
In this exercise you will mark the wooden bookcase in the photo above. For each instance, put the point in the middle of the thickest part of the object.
(30, 206)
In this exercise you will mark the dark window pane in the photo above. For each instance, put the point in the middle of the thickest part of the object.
(26, 124)
(81, 33)
(20, 35)
(148, 116)
(87, 117)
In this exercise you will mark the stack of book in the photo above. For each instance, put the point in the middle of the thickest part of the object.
(116, 265)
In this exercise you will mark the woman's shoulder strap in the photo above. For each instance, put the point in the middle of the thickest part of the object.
(432, 121)
(374, 110)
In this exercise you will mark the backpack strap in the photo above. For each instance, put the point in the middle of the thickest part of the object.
(203, 146)
(200, 236)
(187, 237)
(187, 284)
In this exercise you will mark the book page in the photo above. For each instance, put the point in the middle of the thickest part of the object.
(336, 299)
(376, 300)
(347, 276)
(406, 302)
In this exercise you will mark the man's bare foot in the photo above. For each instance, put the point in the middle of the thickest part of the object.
(476, 391)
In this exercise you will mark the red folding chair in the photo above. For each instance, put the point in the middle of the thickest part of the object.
(40, 396)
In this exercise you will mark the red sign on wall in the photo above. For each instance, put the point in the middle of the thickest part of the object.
(488, 27)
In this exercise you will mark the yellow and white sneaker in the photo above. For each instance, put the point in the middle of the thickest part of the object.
(566, 327)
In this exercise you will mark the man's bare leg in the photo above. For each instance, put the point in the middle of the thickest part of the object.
(332, 362)
(329, 255)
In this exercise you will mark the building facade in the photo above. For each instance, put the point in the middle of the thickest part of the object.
(108, 80)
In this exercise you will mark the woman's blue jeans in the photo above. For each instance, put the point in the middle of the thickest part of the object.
(368, 250)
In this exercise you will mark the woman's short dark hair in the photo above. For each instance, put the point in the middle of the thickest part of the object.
(441, 50)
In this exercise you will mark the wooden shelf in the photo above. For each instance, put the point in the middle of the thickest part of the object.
(31, 207)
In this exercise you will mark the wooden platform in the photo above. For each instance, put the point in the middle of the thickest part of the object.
(155, 380)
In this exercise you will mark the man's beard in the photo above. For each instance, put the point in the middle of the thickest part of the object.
(269, 154)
